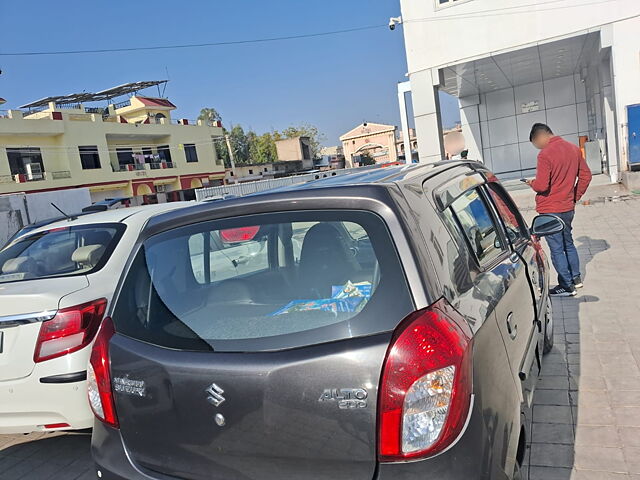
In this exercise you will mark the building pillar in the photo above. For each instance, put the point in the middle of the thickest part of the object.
(613, 160)
(403, 89)
(426, 111)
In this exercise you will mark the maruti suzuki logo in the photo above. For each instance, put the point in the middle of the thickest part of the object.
(215, 397)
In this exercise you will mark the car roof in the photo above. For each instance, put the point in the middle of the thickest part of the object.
(117, 215)
(375, 178)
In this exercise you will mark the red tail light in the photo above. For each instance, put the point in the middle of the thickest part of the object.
(69, 331)
(240, 234)
(425, 391)
(99, 377)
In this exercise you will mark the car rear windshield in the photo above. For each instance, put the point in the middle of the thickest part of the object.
(59, 252)
(265, 282)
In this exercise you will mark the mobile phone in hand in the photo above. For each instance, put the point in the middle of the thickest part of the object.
(524, 180)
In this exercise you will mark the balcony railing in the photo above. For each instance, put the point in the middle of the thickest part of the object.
(161, 165)
(69, 106)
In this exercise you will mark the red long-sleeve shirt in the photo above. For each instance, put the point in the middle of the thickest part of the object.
(562, 177)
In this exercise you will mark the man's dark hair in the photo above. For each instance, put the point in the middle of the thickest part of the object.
(537, 128)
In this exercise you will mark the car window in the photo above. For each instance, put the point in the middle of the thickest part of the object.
(226, 259)
(269, 281)
(59, 252)
(511, 218)
(478, 225)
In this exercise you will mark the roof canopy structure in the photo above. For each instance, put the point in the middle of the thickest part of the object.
(107, 94)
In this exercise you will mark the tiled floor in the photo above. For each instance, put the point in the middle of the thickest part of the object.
(587, 407)
(38, 456)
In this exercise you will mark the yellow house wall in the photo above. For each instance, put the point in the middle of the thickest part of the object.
(59, 141)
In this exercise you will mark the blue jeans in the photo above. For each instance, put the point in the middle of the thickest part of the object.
(564, 255)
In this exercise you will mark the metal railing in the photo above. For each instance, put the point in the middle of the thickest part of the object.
(69, 106)
(36, 110)
(247, 188)
(161, 165)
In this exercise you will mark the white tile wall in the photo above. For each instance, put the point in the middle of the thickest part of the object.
(473, 140)
(486, 158)
(528, 157)
(563, 120)
(503, 131)
(559, 92)
(506, 158)
(583, 118)
(500, 104)
(529, 93)
(526, 121)
(484, 131)
(469, 114)
(581, 93)
(482, 109)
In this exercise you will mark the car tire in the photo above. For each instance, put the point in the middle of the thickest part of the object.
(548, 327)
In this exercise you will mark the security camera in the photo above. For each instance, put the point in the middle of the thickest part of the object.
(393, 21)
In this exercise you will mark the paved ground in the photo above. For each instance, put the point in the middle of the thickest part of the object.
(587, 412)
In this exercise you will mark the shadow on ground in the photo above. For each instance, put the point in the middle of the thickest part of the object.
(551, 452)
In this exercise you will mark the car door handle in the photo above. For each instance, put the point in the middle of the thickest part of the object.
(512, 328)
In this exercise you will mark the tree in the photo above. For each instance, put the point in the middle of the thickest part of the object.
(239, 145)
(209, 115)
(366, 159)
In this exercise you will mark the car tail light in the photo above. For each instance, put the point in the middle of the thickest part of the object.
(240, 234)
(99, 377)
(70, 330)
(426, 384)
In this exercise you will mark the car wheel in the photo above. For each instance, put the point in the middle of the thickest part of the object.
(548, 327)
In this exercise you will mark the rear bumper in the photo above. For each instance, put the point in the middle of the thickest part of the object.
(470, 458)
(110, 457)
(54, 393)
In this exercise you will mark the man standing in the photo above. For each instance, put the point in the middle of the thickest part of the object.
(562, 178)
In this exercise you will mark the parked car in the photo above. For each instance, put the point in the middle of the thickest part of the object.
(101, 206)
(56, 282)
(387, 324)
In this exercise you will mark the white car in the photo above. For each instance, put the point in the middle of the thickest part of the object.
(55, 284)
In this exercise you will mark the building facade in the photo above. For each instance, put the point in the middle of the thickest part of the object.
(570, 64)
(128, 149)
(296, 149)
(375, 140)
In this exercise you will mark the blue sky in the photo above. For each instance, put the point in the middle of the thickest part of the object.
(332, 82)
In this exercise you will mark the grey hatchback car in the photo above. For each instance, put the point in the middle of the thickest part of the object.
(377, 325)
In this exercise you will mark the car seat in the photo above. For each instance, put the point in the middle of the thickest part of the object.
(325, 261)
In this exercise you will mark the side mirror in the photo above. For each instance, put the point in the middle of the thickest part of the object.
(546, 224)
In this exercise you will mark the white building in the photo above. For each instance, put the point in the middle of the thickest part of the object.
(573, 64)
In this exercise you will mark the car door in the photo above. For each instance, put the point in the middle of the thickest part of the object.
(529, 282)
(509, 286)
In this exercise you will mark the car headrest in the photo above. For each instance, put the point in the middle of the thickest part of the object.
(325, 259)
(87, 255)
(17, 265)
